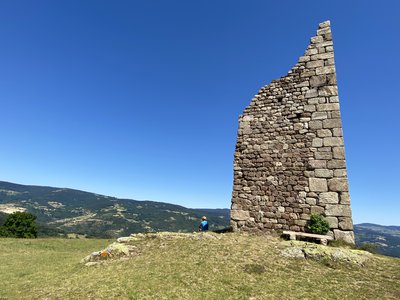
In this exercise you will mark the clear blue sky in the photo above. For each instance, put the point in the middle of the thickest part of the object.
(140, 99)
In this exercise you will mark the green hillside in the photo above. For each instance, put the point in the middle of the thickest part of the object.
(386, 238)
(63, 211)
(196, 266)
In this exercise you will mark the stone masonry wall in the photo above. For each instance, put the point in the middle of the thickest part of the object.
(289, 158)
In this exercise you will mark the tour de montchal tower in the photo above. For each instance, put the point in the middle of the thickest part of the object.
(289, 159)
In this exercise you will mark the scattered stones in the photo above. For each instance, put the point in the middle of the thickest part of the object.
(321, 253)
(128, 247)
(290, 150)
(293, 252)
(115, 250)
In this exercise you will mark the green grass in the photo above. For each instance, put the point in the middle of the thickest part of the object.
(232, 267)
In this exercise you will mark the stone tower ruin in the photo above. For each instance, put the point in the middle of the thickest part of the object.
(289, 158)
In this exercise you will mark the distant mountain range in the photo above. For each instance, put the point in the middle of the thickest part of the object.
(386, 238)
(62, 211)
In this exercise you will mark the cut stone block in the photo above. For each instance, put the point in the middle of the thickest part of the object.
(337, 210)
(333, 141)
(338, 152)
(324, 173)
(316, 81)
(336, 164)
(333, 222)
(317, 210)
(315, 163)
(345, 224)
(318, 185)
(338, 184)
(319, 115)
(347, 236)
(328, 107)
(332, 123)
(240, 215)
(344, 198)
(329, 197)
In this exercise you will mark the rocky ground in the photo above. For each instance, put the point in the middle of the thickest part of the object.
(126, 247)
(192, 266)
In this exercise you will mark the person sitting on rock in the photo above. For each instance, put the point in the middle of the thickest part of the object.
(204, 224)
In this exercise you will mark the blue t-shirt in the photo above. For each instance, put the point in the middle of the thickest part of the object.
(204, 225)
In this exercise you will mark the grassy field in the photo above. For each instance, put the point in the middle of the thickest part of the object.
(231, 266)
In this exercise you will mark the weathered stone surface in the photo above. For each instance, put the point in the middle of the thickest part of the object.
(347, 236)
(336, 164)
(316, 81)
(323, 155)
(340, 173)
(337, 132)
(311, 201)
(324, 133)
(333, 222)
(338, 184)
(319, 252)
(333, 141)
(326, 55)
(344, 198)
(328, 106)
(317, 210)
(329, 197)
(345, 224)
(338, 210)
(319, 115)
(309, 108)
(311, 93)
(315, 124)
(315, 163)
(289, 157)
(314, 64)
(240, 215)
(338, 152)
(304, 58)
(332, 123)
(324, 173)
(325, 70)
(317, 142)
(113, 251)
(293, 252)
(318, 185)
(325, 24)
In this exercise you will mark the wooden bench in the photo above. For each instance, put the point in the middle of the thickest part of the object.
(293, 235)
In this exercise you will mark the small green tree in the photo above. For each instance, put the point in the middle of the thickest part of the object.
(3, 232)
(318, 224)
(19, 225)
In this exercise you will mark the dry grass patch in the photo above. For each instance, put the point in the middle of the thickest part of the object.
(210, 266)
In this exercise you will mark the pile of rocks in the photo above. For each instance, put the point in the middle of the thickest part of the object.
(116, 250)
(289, 158)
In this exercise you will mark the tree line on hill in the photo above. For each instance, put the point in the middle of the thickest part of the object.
(19, 225)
